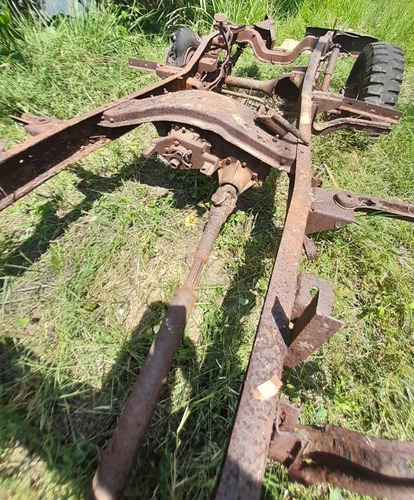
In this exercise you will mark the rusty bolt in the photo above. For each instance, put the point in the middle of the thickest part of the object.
(175, 163)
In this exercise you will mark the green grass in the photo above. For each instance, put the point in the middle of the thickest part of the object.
(90, 260)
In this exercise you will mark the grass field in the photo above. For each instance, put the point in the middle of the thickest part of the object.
(90, 260)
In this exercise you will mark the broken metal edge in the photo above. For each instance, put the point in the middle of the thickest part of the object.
(342, 457)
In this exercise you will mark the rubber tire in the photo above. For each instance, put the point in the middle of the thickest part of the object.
(377, 75)
(182, 41)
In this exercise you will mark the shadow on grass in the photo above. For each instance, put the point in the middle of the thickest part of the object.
(67, 424)
(222, 365)
(152, 173)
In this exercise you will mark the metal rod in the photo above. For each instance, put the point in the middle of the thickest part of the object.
(247, 97)
(245, 462)
(142, 65)
(330, 67)
(266, 86)
(118, 458)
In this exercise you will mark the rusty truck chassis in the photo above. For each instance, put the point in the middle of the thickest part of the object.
(206, 124)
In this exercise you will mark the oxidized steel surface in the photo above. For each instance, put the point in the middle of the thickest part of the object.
(342, 457)
(326, 101)
(325, 214)
(142, 64)
(245, 462)
(36, 160)
(373, 204)
(266, 86)
(376, 127)
(313, 323)
(185, 149)
(119, 456)
(241, 144)
(275, 123)
(227, 118)
(35, 125)
(274, 56)
(330, 67)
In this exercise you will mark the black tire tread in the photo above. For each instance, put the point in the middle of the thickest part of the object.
(378, 72)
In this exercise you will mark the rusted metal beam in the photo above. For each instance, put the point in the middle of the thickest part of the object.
(143, 65)
(370, 466)
(245, 462)
(374, 204)
(274, 56)
(26, 166)
(208, 111)
(349, 122)
(328, 101)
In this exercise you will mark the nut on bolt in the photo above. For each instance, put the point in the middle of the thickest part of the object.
(175, 163)
(345, 200)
